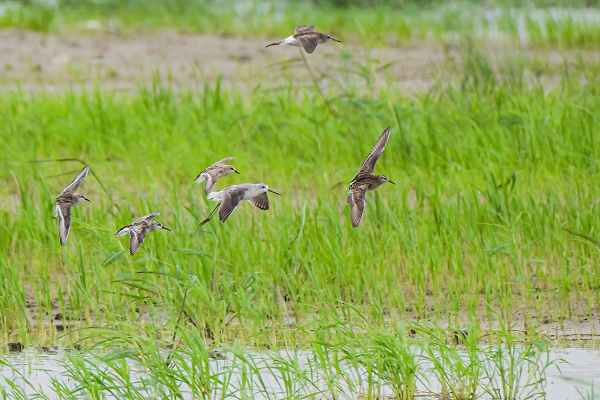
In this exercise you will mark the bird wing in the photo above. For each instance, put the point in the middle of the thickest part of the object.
(136, 238)
(211, 181)
(145, 218)
(63, 213)
(309, 43)
(201, 176)
(261, 201)
(304, 29)
(123, 231)
(357, 199)
(78, 180)
(369, 164)
(224, 161)
(231, 199)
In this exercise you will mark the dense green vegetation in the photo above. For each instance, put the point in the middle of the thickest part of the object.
(488, 236)
(452, 226)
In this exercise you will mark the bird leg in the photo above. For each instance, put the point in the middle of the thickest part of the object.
(211, 215)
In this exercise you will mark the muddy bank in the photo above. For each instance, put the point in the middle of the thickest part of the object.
(28, 59)
(57, 317)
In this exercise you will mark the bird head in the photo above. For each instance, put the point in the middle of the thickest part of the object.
(265, 188)
(384, 178)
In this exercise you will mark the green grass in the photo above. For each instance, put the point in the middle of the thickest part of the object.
(451, 227)
(490, 166)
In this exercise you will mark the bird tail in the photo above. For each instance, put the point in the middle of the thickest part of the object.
(123, 231)
(215, 196)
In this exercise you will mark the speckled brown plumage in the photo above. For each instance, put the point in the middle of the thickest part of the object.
(231, 197)
(305, 36)
(67, 199)
(138, 229)
(365, 180)
(212, 174)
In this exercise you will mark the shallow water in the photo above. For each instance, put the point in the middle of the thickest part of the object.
(579, 373)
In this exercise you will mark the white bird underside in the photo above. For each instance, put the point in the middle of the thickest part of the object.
(215, 196)
(232, 196)
(292, 41)
(247, 190)
(123, 231)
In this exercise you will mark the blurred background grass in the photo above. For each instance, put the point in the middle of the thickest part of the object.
(573, 22)
(491, 162)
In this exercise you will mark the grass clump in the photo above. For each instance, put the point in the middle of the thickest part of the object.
(476, 219)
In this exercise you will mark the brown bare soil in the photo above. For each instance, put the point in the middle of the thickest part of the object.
(114, 62)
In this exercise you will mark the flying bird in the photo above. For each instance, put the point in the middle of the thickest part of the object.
(306, 37)
(212, 174)
(230, 198)
(138, 230)
(365, 180)
(67, 199)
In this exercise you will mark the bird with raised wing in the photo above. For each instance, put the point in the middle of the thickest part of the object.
(138, 229)
(67, 199)
(365, 180)
(305, 36)
(211, 175)
(230, 198)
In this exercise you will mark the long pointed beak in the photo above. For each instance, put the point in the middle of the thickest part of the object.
(166, 229)
(86, 199)
(274, 192)
(272, 44)
(335, 40)
(237, 172)
(391, 182)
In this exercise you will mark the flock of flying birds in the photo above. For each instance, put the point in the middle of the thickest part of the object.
(230, 197)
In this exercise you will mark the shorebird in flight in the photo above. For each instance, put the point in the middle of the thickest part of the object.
(67, 199)
(365, 180)
(212, 174)
(138, 229)
(230, 198)
(306, 37)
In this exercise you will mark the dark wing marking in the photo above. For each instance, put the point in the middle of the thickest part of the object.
(136, 239)
(231, 199)
(210, 182)
(64, 222)
(78, 180)
(145, 218)
(357, 200)
(261, 201)
(201, 176)
(309, 43)
(123, 231)
(223, 161)
(369, 164)
(304, 29)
